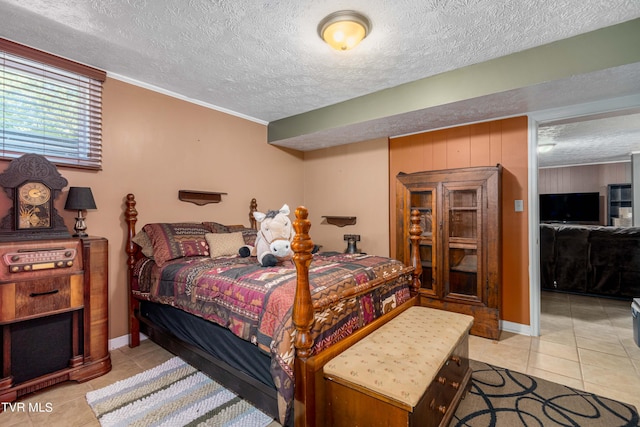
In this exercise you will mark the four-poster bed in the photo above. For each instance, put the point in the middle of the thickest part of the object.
(321, 305)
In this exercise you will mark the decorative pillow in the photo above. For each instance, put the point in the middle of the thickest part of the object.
(216, 227)
(142, 239)
(224, 244)
(177, 240)
(248, 234)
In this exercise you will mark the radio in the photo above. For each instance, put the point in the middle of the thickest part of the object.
(39, 259)
(26, 259)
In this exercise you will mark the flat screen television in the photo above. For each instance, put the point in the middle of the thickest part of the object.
(581, 208)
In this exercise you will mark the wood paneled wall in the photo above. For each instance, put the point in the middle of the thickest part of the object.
(483, 144)
(576, 179)
(583, 179)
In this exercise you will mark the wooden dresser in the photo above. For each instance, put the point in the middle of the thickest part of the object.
(53, 313)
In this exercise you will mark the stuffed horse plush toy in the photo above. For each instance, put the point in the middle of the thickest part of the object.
(273, 242)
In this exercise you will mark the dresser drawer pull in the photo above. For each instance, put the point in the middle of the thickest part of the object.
(455, 385)
(40, 294)
(440, 408)
(442, 380)
(456, 359)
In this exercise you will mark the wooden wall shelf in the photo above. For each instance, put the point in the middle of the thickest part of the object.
(200, 198)
(340, 221)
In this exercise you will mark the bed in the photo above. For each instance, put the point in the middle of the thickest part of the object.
(263, 332)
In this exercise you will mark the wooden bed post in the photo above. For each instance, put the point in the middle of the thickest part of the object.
(131, 217)
(415, 233)
(304, 406)
(253, 207)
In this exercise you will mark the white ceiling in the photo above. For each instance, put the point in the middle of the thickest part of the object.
(593, 139)
(264, 61)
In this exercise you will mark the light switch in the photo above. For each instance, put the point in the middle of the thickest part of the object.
(519, 205)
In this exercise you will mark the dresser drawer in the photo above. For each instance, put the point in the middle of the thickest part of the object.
(446, 385)
(38, 297)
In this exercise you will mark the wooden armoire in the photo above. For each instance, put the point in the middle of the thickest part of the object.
(460, 245)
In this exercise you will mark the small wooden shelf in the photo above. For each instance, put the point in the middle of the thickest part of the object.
(200, 198)
(340, 221)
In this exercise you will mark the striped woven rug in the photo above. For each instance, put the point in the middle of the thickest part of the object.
(172, 394)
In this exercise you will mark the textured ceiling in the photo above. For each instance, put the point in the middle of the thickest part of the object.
(599, 139)
(264, 61)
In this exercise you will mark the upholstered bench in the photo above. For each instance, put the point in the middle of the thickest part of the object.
(412, 371)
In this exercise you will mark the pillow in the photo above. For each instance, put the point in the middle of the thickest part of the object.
(248, 234)
(216, 227)
(142, 239)
(176, 240)
(224, 244)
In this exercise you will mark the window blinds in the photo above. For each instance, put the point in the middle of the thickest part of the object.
(49, 106)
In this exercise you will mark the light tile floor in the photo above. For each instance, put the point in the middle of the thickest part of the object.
(585, 342)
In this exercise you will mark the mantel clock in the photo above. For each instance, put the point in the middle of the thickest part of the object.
(33, 183)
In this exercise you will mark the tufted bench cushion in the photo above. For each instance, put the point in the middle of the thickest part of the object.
(401, 359)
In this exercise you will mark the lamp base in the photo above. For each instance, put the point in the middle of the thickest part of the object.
(80, 226)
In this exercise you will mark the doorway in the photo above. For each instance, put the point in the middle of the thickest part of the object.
(569, 117)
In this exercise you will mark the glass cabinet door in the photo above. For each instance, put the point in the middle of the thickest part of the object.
(462, 239)
(425, 202)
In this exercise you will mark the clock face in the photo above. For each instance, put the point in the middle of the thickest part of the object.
(34, 193)
(34, 210)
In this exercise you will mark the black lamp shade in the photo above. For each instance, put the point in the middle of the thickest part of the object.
(80, 198)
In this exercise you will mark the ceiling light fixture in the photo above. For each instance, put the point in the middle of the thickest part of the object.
(545, 148)
(344, 30)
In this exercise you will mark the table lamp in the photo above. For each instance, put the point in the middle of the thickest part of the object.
(80, 198)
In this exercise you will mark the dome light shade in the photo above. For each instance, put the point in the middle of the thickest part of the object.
(545, 148)
(344, 30)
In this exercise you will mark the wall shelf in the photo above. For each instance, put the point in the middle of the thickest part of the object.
(340, 221)
(200, 198)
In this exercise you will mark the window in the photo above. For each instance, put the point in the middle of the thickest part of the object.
(49, 106)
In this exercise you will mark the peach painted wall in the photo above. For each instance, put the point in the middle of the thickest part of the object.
(349, 180)
(180, 145)
(155, 145)
(483, 144)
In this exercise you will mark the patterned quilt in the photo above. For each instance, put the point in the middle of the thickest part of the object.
(255, 303)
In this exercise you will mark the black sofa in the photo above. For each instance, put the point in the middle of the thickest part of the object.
(592, 260)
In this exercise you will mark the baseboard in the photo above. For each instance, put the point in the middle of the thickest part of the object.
(122, 341)
(516, 328)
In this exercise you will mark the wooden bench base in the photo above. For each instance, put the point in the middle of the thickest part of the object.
(349, 403)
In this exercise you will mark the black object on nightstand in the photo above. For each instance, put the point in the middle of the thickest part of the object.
(351, 240)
